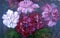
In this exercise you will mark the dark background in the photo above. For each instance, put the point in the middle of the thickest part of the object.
(4, 7)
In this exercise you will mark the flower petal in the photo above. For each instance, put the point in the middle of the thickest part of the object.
(9, 12)
(4, 17)
(35, 6)
(51, 23)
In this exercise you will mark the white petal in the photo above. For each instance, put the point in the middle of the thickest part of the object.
(15, 13)
(4, 17)
(51, 23)
(13, 25)
(35, 6)
(15, 21)
(8, 25)
(30, 9)
(16, 17)
(5, 22)
(9, 12)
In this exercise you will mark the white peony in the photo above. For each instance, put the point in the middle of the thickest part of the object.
(10, 19)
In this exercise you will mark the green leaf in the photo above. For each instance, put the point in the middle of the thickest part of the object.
(11, 33)
(42, 33)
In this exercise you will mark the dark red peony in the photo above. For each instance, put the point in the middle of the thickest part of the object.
(27, 24)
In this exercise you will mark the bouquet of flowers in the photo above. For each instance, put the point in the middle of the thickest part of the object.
(26, 22)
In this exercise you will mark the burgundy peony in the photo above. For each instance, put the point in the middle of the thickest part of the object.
(27, 24)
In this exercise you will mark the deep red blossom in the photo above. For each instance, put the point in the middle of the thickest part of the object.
(27, 24)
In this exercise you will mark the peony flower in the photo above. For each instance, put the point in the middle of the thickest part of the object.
(50, 14)
(28, 24)
(27, 6)
(10, 18)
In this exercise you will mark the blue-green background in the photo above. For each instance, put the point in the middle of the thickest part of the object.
(4, 7)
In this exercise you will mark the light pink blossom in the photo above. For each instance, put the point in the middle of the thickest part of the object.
(27, 6)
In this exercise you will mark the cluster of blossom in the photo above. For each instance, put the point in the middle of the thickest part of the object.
(26, 21)
(10, 17)
(28, 24)
(50, 14)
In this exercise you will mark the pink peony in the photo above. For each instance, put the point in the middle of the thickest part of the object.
(27, 6)
(50, 14)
